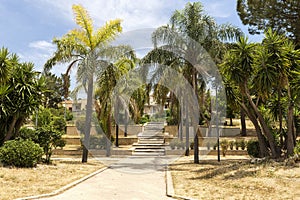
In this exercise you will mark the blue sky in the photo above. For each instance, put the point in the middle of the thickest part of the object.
(28, 26)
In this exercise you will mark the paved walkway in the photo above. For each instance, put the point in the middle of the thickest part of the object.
(128, 178)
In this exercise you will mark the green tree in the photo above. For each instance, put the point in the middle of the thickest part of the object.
(22, 95)
(265, 72)
(281, 15)
(54, 90)
(192, 26)
(106, 91)
(82, 47)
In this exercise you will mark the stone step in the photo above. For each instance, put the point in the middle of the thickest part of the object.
(145, 142)
(147, 154)
(150, 150)
(149, 145)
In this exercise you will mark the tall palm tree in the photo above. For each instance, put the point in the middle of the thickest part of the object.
(106, 86)
(177, 45)
(82, 46)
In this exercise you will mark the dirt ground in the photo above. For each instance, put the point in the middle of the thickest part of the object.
(23, 182)
(235, 179)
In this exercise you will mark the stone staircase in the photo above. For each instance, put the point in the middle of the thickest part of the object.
(151, 141)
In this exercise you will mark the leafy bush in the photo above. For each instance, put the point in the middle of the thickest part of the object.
(297, 148)
(49, 139)
(243, 144)
(253, 148)
(231, 144)
(97, 142)
(28, 134)
(224, 145)
(177, 143)
(144, 120)
(237, 145)
(20, 153)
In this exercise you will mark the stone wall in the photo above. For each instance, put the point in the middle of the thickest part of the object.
(224, 131)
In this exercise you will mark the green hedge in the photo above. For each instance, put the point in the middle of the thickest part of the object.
(20, 153)
(253, 148)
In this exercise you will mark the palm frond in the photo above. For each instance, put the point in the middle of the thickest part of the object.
(83, 19)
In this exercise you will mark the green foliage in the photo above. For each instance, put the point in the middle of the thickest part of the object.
(279, 15)
(20, 93)
(297, 148)
(20, 153)
(144, 120)
(49, 138)
(253, 148)
(231, 144)
(224, 145)
(176, 143)
(243, 144)
(54, 90)
(97, 142)
(237, 144)
(28, 134)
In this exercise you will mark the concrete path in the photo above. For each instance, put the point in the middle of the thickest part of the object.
(128, 178)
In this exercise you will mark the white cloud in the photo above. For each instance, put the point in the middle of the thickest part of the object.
(135, 14)
(42, 45)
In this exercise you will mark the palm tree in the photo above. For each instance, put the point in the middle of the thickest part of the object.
(108, 100)
(238, 68)
(189, 29)
(82, 46)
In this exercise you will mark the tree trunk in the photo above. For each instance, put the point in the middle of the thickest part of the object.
(18, 125)
(10, 131)
(88, 120)
(263, 150)
(266, 130)
(280, 117)
(108, 135)
(196, 146)
(117, 123)
(187, 129)
(126, 123)
(243, 123)
(290, 133)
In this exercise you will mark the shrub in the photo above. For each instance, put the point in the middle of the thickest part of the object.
(237, 145)
(253, 148)
(224, 146)
(28, 134)
(297, 148)
(20, 153)
(177, 143)
(243, 144)
(231, 144)
(49, 139)
(144, 120)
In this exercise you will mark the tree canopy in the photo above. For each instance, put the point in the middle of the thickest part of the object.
(281, 15)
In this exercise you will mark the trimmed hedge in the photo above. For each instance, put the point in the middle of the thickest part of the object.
(20, 153)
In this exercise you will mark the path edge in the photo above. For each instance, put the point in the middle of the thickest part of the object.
(170, 192)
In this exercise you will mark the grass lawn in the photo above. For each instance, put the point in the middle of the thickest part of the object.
(235, 179)
(22, 182)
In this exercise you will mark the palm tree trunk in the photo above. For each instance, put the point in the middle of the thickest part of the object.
(243, 123)
(263, 150)
(280, 117)
(264, 126)
(88, 120)
(108, 135)
(290, 119)
(126, 123)
(187, 127)
(10, 131)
